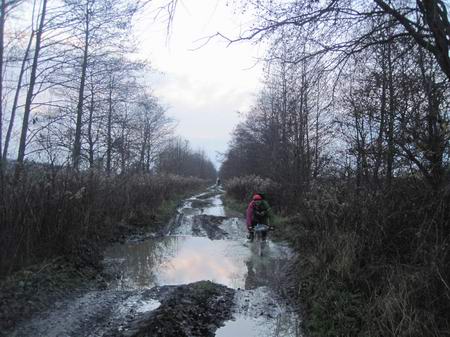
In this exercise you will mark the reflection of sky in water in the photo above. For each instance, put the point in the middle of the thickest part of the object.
(243, 327)
(284, 325)
(180, 260)
(202, 259)
(183, 259)
(149, 305)
(217, 207)
(176, 260)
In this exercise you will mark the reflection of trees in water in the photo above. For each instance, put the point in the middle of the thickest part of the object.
(268, 270)
(286, 325)
(142, 260)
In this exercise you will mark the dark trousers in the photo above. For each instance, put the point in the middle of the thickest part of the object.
(251, 234)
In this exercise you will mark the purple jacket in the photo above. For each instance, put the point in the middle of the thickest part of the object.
(249, 216)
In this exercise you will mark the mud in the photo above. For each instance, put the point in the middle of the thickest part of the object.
(201, 279)
(200, 203)
(40, 286)
(209, 224)
(196, 309)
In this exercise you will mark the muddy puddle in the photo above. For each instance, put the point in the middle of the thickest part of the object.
(161, 284)
(207, 245)
(175, 260)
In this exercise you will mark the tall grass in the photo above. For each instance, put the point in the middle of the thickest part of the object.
(56, 212)
(372, 263)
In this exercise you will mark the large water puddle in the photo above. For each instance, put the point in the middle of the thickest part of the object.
(177, 260)
(174, 260)
(183, 258)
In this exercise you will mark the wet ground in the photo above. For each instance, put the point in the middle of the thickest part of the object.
(159, 286)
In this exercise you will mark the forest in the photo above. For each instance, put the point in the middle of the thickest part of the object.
(84, 143)
(349, 139)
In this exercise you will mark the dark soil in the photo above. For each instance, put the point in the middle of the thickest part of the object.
(210, 224)
(192, 310)
(34, 289)
(38, 287)
(200, 203)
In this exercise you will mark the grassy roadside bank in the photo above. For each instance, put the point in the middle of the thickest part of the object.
(138, 205)
(329, 307)
(369, 264)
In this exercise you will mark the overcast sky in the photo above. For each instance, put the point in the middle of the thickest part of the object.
(204, 88)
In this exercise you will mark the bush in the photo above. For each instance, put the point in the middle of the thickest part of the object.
(55, 212)
(372, 262)
(243, 188)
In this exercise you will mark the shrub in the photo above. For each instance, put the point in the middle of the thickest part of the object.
(54, 212)
(243, 188)
(372, 261)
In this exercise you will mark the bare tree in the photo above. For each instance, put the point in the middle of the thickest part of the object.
(100, 25)
(5, 7)
(32, 82)
(341, 28)
(179, 158)
(16, 96)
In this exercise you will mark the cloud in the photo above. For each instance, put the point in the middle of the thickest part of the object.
(204, 88)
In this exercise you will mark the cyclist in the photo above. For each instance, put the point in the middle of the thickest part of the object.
(258, 212)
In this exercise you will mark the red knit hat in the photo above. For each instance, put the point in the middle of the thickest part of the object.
(257, 197)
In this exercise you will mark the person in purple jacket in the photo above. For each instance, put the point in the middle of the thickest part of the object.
(258, 212)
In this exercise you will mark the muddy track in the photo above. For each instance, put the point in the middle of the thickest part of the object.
(200, 280)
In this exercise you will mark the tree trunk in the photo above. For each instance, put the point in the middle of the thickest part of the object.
(90, 138)
(30, 93)
(77, 142)
(391, 147)
(16, 98)
(143, 149)
(2, 32)
(316, 141)
(109, 129)
(381, 129)
(124, 143)
(307, 145)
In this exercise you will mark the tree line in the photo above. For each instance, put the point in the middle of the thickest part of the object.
(74, 93)
(373, 103)
(350, 135)
(87, 150)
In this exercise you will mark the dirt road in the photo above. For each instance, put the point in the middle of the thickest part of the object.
(202, 279)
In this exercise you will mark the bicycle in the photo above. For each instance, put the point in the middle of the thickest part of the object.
(261, 242)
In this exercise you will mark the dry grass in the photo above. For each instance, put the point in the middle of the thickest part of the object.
(50, 213)
(373, 263)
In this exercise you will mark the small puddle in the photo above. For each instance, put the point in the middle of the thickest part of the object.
(216, 208)
(282, 326)
(243, 327)
(138, 304)
(258, 313)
